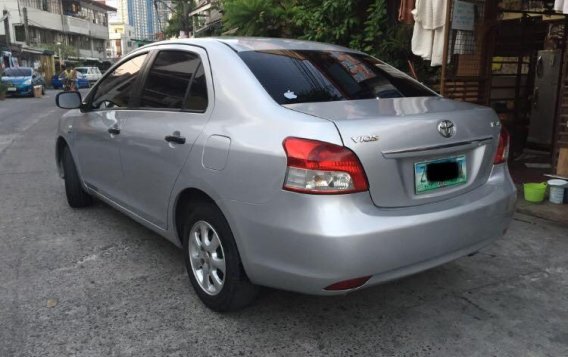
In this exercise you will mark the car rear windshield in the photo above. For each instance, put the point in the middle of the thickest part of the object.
(82, 70)
(294, 76)
(17, 72)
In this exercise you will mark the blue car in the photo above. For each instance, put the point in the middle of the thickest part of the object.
(81, 81)
(21, 80)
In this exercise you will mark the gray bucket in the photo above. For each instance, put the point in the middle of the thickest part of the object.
(557, 188)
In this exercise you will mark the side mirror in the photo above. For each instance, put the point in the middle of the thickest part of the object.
(68, 100)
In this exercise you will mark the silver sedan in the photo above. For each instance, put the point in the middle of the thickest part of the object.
(289, 164)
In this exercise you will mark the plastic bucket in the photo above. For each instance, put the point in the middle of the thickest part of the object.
(37, 91)
(557, 190)
(534, 192)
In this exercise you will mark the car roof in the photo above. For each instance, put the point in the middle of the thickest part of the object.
(242, 44)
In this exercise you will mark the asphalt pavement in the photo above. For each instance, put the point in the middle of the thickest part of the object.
(92, 282)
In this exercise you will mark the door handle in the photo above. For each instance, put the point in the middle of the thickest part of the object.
(114, 130)
(176, 138)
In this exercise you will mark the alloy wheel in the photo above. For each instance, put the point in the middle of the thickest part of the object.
(207, 257)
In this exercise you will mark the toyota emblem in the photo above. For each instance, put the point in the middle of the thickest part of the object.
(446, 128)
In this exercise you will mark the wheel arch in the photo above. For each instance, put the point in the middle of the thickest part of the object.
(186, 200)
(60, 145)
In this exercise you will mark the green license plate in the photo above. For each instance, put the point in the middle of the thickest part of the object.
(436, 174)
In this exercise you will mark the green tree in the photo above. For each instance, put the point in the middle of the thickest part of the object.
(180, 20)
(261, 17)
(360, 24)
(335, 21)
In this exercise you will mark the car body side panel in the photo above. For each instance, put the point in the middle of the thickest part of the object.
(151, 164)
(98, 151)
(65, 130)
(256, 164)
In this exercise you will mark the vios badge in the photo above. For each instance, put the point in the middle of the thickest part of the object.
(446, 128)
(365, 139)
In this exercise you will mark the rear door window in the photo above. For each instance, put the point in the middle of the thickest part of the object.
(169, 79)
(300, 76)
(197, 98)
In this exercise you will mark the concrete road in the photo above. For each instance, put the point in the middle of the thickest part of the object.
(94, 283)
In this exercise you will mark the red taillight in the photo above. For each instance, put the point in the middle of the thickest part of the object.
(349, 284)
(503, 148)
(318, 167)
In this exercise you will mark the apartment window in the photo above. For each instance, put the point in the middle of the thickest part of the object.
(52, 6)
(20, 33)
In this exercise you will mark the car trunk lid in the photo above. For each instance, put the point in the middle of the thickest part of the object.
(398, 141)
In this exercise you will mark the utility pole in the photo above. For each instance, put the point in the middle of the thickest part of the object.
(26, 26)
(6, 27)
(59, 53)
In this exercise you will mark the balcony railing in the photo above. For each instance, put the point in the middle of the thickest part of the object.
(85, 27)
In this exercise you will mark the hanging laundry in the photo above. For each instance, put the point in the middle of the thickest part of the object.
(561, 5)
(429, 28)
(405, 11)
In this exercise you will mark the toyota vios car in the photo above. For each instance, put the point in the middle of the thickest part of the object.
(295, 165)
(21, 80)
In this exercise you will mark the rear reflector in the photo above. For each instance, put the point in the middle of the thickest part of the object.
(318, 167)
(348, 284)
(503, 148)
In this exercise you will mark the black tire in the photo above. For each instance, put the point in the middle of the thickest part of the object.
(42, 90)
(237, 291)
(76, 196)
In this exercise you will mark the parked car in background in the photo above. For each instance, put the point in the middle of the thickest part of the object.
(21, 80)
(81, 81)
(289, 164)
(92, 74)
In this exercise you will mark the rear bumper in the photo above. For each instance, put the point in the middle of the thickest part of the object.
(305, 243)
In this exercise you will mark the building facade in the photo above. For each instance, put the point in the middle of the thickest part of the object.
(206, 17)
(147, 17)
(121, 40)
(80, 25)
